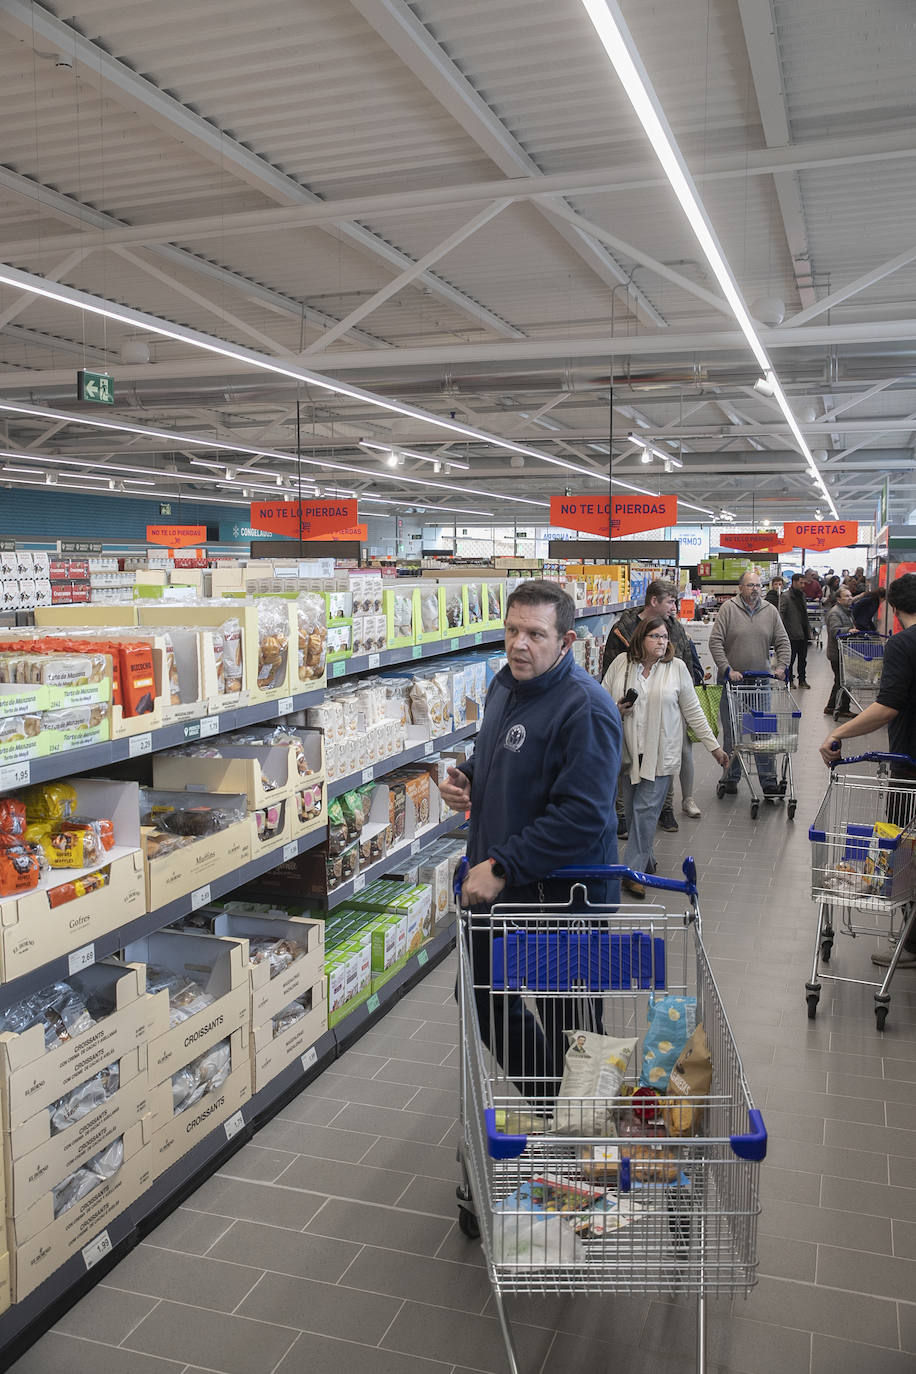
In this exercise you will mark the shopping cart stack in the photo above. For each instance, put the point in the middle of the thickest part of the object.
(861, 663)
(764, 718)
(862, 868)
(616, 1190)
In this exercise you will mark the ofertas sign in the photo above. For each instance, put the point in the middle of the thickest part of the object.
(821, 534)
(176, 536)
(590, 514)
(303, 519)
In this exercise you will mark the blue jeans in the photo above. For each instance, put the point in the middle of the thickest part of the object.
(642, 806)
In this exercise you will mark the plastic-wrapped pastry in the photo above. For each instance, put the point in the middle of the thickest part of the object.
(313, 635)
(58, 1007)
(429, 609)
(231, 632)
(291, 1014)
(12, 816)
(337, 827)
(51, 801)
(493, 606)
(205, 1074)
(99, 1169)
(84, 1099)
(454, 611)
(186, 997)
(273, 641)
(274, 951)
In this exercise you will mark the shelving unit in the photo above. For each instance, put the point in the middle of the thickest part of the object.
(380, 868)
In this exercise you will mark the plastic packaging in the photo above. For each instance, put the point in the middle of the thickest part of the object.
(80, 1184)
(58, 1007)
(273, 642)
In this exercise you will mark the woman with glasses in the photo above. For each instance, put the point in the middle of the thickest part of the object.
(655, 695)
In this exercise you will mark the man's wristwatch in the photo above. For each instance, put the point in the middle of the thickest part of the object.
(498, 870)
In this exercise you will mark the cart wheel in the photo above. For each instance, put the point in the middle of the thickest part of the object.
(813, 999)
(880, 1017)
(790, 809)
(755, 807)
(826, 949)
(467, 1224)
(720, 790)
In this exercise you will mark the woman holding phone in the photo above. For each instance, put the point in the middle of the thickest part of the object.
(655, 695)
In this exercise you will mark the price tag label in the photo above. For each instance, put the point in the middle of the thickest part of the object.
(428, 747)
(81, 958)
(359, 882)
(139, 745)
(337, 668)
(234, 1125)
(368, 774)
(374, 660)
(14, 775)
(423, 957)
(209, 726)
(478, 638)
(372, 1004)
(417, 651)
(97, 1249)
(415, 846)
(309, 1058)
(290, 851)
(284, 706)
(201, 897)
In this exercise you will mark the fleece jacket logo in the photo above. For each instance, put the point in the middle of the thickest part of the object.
(515, 737)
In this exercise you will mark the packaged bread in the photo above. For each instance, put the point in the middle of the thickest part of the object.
(20, 866)
(273, 642)
(691, 1077)
(231, 637)
(311, 612)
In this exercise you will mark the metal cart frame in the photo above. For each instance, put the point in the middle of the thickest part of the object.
(682, 1216)
(816, 621)
(861, 660)
(764, 721)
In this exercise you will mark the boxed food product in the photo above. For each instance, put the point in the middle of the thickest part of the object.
(188, 839)
(285, 953)
(204, 1093)
(276, 1043)
(398, 602)
(433, 871)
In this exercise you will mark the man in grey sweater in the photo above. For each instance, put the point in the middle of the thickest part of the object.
(744, 632)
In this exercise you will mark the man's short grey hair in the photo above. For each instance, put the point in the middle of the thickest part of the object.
(748, 572)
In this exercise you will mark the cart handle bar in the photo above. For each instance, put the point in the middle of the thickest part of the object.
(595, 871)
(872, 758)
(757, 675)
(752, 1146)
(861, 634)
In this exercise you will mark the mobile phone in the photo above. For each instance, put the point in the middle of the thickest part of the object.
(629, 697)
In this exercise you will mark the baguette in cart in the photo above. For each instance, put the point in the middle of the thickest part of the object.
(638, 1172)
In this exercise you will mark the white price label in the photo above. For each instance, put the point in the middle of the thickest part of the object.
(97, 1249)
(368, 774)
(14, 775)
(309, 1058)
(359, 882)
(209, 726)
(201, 897)
(81, 958)
(234, 1125)
(139, 745)
(290, 851)
(415, 846)
(428, 747)
(284, 706)
(374, 660)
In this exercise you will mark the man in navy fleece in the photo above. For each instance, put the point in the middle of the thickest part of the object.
(540, 786)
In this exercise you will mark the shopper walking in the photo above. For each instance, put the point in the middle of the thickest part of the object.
(661, 600)
(794, 611)
(656, 695)
(839, 622)
(777, 587)
(895, 708)
(865, 609)
(540, 786)
(812, 585)
(744, 632)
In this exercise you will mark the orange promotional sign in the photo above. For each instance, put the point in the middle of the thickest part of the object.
(591, 514)
(360, 532)
(821, 534)
(749, 543)
(304, 519)
(176, 536)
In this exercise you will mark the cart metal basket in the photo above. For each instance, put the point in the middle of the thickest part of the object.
(816, 621)
(862, 863)
(563, 1200)
(764, 720)
(861, 664)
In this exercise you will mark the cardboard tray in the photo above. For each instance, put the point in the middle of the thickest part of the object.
(241, 769)
(270, 995)
(184, 870)
(270, 1054)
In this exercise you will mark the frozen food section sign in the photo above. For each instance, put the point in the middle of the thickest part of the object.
(304, 519)
(590, 514)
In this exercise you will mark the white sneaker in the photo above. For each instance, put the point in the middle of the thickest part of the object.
(690, 808)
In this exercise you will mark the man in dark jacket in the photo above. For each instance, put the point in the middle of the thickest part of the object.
(865, 608)
(540, 786)
(777, 587)
(794, 611)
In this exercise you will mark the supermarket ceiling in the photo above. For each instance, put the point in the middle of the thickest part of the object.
(315, 228)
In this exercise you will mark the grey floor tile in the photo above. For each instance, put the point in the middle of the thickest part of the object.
(314, 1354)
(257, 1163)
(464, 1287)
(192, 1232)
(789, 1185)
(207, 1282)
(432, 1196)
(904, 1239)
(268, 1202)
(396, 1125)
(879, 1139)
(385, 1041)
(456, 1246)
(434, 1161)
(59, 1354)
(824, 1310)
(419, 1075)
(420, 1330)
(833, 1356)
(233, 1345)
(106, 1315)
(393, 1228)
(902, 1116)
(875, 1199)
(301, 1253)
(310, 1109)
(330, 1309)
(374, 1092)
(826, 1159)
(826, 1227)
(826, 1106)
(901, 1172)
(437, 1101)
(907, 1315)
(782, 1258)
(738, 1343)
(324, 1142)
(358, 1181)
(890, 1278)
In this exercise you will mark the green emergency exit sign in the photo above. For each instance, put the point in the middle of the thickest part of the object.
(94, 386)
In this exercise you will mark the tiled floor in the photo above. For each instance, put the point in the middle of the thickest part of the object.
(332, 1238)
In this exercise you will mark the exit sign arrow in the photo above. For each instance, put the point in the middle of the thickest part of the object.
(94, 386)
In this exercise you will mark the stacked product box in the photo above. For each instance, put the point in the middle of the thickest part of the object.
(288, 1006)
(197, 1063)
(74, 1113)
(190, 838)
(24, 580)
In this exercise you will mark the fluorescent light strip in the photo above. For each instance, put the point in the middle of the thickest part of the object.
(618, 43)
(412, 453)
(96, 305)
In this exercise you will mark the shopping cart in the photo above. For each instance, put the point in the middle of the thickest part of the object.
(816, 621)
(861, 662)
(764, 720)
(560, 1205)
(863, 840)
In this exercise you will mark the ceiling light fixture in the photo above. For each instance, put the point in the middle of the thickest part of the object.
(615, 36)
(651, 451)
(371, 446)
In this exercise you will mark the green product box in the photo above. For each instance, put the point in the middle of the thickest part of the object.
(377, 896)
(341, 1013)
(380, 979)
(384, 944)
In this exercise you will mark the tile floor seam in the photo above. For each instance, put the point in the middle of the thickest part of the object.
(263, 1274)
(156, 1303)
(220, 1237)
(339, 1281)
(378, 1343)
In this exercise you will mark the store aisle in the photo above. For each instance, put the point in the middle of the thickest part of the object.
(331, 1241)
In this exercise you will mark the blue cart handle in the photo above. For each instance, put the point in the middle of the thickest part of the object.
(686, 885)
(871, 757)
(756, 675)
(861, 634)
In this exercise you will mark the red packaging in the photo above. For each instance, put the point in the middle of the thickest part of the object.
(19, 867)
(61, 594)
(12, 816)
(138, 681)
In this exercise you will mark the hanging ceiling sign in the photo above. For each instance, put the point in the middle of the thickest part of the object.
(176, 536)
(591, 514)
(360, 532)
(749, 543)
(304, 519)
(821, 534)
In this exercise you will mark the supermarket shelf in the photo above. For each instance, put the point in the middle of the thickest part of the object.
(24, 1322)
(114, 940)
(364, 663)
(419, 751)
(382, 866)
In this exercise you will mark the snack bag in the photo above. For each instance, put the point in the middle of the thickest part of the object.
(52, 801)
(594, 1070)
(690, 1077)
(671, 1023)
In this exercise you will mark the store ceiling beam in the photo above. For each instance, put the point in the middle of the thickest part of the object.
(759, 25)
(29, 21)
(55, 273)
(844, 293)
(878, 430)
(397, 25)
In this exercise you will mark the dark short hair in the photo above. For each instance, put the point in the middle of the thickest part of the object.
(645, 627)
(901, 594)
(535, 592)
(659, 589)
(798, 577)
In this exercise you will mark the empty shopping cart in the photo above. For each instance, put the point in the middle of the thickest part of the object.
(861, 664)
(764, 720)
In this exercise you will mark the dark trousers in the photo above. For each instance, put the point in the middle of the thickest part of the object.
(901, 808)
(838, 698)
(800, 652)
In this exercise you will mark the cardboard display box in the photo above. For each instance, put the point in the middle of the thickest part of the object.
(214, 615)
(5, 1285)
(270, 1054)
(171, 1135)
(252, 921)
(180, 871)
(271, 826)
(308, 808)
(264, 774)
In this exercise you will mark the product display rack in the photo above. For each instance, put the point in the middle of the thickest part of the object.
(378, 870)
(412, 755)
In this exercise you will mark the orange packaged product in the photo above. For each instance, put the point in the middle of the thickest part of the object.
(138, 681)
(68, 892)
(12, 816)
(20, 867)
(103, 828)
